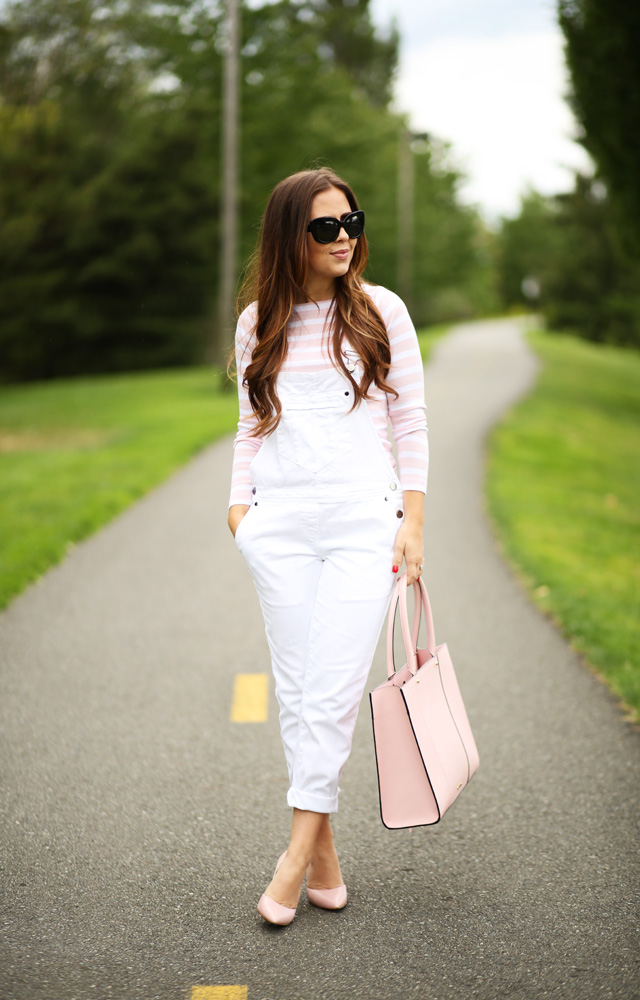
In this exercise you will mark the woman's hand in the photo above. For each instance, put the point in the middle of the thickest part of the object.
(236, 513)
(409, 543)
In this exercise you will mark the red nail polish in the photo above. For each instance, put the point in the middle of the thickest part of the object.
(394, 569)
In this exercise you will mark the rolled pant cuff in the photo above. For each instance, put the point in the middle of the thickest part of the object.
(312, 803)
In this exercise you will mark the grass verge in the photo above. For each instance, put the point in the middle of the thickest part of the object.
(562, 488)
(74, 453)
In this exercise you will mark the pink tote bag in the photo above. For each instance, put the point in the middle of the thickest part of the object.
(425, 750)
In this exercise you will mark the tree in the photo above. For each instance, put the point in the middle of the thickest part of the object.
(567, 243)
(453, 272)
(370, 59)
(109, 167)
(107, 206)
(602, 46)
(527, 248)
(591, 289)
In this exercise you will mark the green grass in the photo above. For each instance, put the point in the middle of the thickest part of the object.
(76, 452)
(563, 487)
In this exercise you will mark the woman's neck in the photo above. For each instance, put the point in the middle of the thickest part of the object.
(318, 289)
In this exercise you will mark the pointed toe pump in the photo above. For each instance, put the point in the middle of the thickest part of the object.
(271, 910)
(274, 912)
(328, 899)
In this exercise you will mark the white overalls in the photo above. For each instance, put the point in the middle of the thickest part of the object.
(319, 540)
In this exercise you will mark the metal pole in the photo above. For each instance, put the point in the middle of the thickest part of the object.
(229, 185)
(405, 218)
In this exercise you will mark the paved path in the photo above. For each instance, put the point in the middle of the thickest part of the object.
(140, 826)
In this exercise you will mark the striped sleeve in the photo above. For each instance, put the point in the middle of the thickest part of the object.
(245, 447)
(407, 412)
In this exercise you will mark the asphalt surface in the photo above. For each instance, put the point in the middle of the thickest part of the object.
(139, 825)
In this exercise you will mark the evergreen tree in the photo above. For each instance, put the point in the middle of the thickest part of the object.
(567, 244)
(602, 48)
(592, 289)
(527, 249)
(109, 170)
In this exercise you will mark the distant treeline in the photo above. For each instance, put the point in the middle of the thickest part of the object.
(581, 251)
(110, 122)
(566, 248)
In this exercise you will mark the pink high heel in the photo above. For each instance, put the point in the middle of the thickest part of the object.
(272, 911)
(328, 899)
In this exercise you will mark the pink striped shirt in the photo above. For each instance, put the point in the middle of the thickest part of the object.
(308, 351)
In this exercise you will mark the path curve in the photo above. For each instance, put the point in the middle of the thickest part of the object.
(140, 825)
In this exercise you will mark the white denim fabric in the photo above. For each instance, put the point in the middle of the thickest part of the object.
(319, 540)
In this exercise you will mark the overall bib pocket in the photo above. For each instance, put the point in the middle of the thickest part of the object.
(313, 432)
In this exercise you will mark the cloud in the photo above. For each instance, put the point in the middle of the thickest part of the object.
(422, 19)
(500, 101)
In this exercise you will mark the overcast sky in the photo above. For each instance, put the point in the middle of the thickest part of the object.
(489, 76)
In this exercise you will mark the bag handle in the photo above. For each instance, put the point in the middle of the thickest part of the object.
(410, 636)
(415, 628)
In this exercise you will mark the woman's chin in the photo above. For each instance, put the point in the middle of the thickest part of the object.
(341, 267)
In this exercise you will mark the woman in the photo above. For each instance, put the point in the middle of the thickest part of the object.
(324, 361)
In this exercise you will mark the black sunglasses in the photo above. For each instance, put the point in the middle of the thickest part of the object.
(326, 228)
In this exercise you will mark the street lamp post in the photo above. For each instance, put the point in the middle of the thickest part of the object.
(409, 143)
(406, 183)
(229, 181)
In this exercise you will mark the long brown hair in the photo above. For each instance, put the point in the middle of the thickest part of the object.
(276, 280)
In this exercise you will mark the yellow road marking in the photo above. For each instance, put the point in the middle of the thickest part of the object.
(219, 993)
(250, 698)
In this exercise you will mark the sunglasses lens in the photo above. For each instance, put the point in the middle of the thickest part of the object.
(354, 225)
(325, 230)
